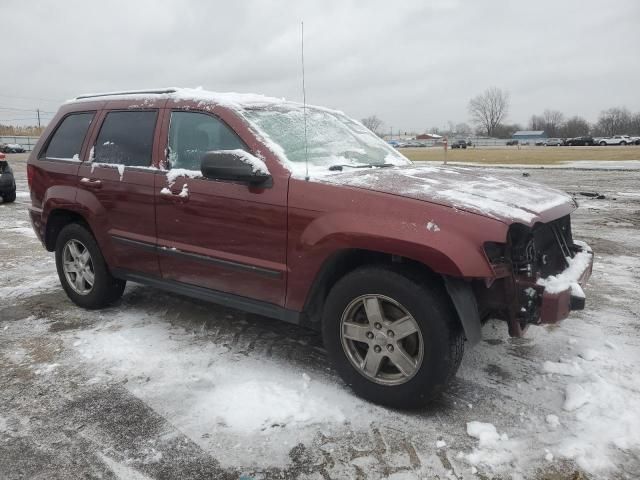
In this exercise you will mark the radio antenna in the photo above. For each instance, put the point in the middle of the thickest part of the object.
(304, 110)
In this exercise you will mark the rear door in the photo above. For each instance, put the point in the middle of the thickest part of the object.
(117, 184)
(59, 160)
(220, 235)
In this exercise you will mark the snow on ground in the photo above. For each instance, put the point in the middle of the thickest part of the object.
(165, 387)
(259, 404)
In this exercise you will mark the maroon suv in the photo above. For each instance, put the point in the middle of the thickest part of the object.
(301, 214)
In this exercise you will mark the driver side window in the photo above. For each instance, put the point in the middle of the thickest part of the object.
(192, 134)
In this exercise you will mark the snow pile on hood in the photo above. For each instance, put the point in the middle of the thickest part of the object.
(467, 189)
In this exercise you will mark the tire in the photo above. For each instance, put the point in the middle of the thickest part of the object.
(105, 289)
(426, 308)
(9, 197)
(602, 144)
(623, 143)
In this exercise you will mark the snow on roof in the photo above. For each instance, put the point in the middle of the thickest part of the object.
(536, 133)
(233, 100)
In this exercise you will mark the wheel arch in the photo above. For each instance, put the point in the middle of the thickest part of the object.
(57, 219)
(345, 261)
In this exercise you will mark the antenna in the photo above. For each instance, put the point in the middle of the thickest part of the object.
(304, 110)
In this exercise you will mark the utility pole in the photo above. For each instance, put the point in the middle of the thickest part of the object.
(38, 110)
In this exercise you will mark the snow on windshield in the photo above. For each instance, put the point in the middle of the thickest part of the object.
(332, 138)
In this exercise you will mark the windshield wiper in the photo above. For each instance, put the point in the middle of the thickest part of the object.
(364, 165)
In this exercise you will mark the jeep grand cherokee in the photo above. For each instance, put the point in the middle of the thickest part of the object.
(224, 197)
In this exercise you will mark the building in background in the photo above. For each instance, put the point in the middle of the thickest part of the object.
(530, 136)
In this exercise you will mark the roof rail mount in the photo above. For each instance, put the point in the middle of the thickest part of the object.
(130, 92)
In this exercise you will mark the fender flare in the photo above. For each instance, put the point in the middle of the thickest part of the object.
(466, 306)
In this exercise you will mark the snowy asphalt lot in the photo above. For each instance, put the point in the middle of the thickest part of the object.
(162, 387)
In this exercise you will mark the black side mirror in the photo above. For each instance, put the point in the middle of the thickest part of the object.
(231, 166)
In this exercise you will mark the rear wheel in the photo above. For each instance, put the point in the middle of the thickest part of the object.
(603, 144)
(82, 270)
(393, 338)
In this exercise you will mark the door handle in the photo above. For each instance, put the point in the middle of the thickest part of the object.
(181, 197)
(94, 184)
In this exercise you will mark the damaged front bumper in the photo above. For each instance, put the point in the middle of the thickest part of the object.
(525, 298)
(556, 296)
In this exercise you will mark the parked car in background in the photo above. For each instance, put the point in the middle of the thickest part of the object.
(394, 143)
(539, 143)
(511, 143)
(12, 148)
(397, 264)
(553, 142)
(459, 144)
(412, 144)
(579, 141)
(7, 181)
(615, 140)
(635, 140)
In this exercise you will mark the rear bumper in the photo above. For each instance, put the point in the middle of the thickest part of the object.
(35, 215)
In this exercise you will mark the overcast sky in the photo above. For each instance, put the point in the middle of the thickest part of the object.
(415, 64)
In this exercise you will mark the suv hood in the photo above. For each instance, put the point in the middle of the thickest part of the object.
(470, 189)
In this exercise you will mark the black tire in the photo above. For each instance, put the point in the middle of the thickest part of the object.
(9, 197)
(106, 288)
(602, 144)
(429, 304)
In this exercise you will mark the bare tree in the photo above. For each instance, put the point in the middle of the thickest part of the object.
(575, 127)
(536, 122)
(613, 121)
(634, 124)
(552, 122)
(489, 109)
(463, 129)
(506, 131)
(373, 123)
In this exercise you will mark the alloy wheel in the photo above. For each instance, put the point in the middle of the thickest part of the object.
(381, 339)
(77, 265)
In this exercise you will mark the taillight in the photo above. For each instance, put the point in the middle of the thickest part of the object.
(30, 173)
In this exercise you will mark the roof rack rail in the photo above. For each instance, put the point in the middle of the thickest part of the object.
(130, 92)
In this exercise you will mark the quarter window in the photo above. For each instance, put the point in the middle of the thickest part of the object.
(126, 138)
(192, 134)
(68, 137)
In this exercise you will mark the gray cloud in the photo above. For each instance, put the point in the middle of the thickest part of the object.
(414, 64)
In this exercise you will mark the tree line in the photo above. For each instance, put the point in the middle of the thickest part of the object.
(489, 111)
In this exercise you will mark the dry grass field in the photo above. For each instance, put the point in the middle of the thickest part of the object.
(524, 155)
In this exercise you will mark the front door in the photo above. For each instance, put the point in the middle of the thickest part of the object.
(117, 185)
(219, 235)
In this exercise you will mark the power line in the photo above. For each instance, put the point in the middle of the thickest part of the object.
(24, 109)
(33, 98)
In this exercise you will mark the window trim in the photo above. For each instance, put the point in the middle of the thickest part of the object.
(164, 160)
(105, 113)
(42, 154)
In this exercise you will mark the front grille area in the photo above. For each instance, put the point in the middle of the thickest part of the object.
(543, 249)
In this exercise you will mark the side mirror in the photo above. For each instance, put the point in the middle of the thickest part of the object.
(231, 166)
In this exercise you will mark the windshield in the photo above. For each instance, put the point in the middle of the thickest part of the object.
(332, 138)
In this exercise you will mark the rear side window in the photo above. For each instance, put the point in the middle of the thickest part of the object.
(68, 137)
(126, 138)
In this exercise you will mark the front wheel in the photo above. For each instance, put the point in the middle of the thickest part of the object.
(83, 273)
(602, 144)
(394, 338)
